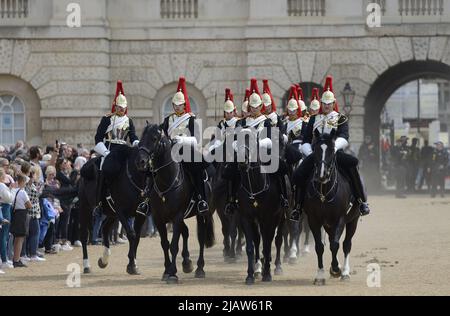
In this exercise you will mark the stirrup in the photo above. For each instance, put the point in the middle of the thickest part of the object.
(202, 207)
(295, 215)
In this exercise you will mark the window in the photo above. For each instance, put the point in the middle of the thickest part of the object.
(167, 108)
(13, 9)
(306, 7)
(12, 120)
(415, 7)
(179, 9)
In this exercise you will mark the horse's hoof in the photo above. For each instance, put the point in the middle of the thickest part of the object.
(238, 255)
(278, 271)
(132, 270)
(292, 260)
(199, 274)
(231, 260)
(249, 280)
(173, 279)
(267, 278)
(335, 274)
(225, 253)
(165, 277)
(285, 259)
(187, 266)
(87, 270)
(345, 278)
(101, 264)
(319, 282)
(257, 275)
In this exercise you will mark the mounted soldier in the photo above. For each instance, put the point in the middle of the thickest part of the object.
(244, 107)
(269, 106)
(295, 127)
(258, 122)
(314, 105)
(327, 121)
(226, 125)
(304, 109)
(181, 127)
(111, 144)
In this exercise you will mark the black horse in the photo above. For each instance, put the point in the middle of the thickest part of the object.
(329, 203)
(171, 200)
(127, 192)
(231, 231)
(260, 214)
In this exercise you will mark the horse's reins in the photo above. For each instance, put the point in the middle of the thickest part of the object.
(154, 171)
(249, 191)
(333, 176)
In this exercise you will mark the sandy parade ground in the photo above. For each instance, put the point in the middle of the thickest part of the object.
(408, 238)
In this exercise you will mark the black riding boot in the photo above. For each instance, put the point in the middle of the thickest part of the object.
(284, 197)
(99, 194)
(299, 199)
(231, 204)
(202, 206)
(358, 189)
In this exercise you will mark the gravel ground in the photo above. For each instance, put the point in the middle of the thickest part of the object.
(409, 239)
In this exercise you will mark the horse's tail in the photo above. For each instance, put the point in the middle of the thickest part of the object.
(208, 230)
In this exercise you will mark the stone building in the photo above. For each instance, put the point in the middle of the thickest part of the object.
(57, 81)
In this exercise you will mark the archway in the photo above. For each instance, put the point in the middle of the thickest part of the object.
(390, 81)
(20, 111)
(386, 84)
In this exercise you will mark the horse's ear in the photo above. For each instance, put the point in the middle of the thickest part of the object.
(146, 121)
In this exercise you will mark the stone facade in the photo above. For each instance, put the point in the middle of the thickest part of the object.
(73, 71)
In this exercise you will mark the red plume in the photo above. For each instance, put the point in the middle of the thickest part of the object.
(254, 86)
(293, 94)
(182, 87)
(300, 94)
(227, 94)
(329, 86)
(119, 89)
(315, 94)
(266, 89)
(247, 96)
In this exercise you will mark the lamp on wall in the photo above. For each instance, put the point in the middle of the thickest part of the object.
(348, 95)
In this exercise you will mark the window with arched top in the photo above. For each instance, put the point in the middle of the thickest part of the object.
(162, 103)
(12, 119)
(167, 108)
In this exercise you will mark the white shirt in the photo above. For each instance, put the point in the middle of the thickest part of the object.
(21, 199)
(6, 195)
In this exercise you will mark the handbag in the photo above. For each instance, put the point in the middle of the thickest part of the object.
(20, 221)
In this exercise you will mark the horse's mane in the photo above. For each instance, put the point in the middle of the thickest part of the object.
(325, 137)
(150, 127)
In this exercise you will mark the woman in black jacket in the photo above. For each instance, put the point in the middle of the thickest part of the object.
(63, 175)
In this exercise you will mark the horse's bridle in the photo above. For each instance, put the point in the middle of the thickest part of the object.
(250, 191)
(332, 177)
(150, 165)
